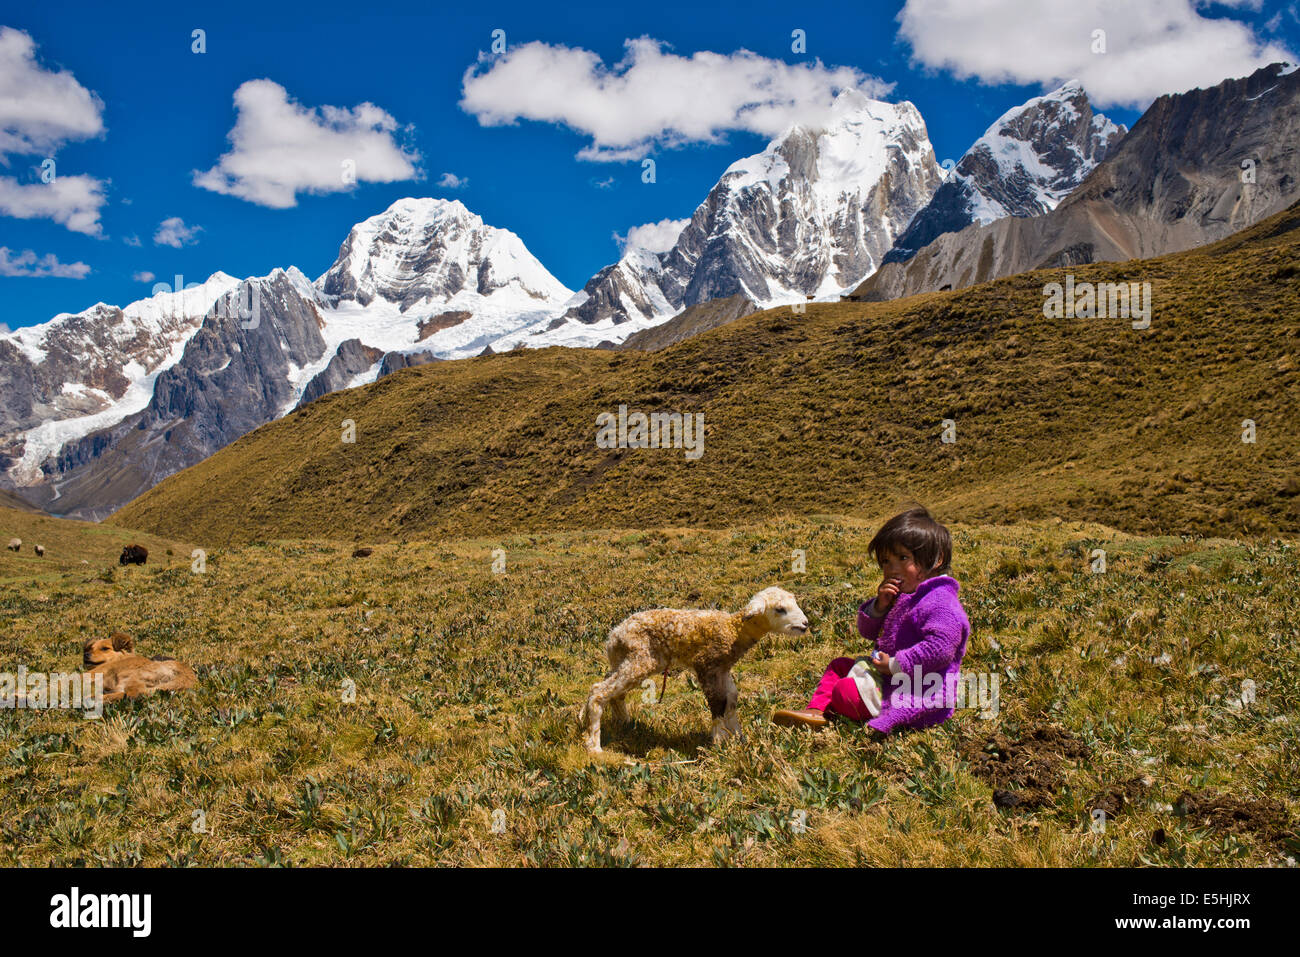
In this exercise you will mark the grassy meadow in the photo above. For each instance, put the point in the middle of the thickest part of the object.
(1119, 690)
(419, 706)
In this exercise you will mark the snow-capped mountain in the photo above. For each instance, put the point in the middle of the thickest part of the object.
(80, 372)
(99, 406)
(812, 214)
(104, 404)
(421, 251)
(1176, 181)
(427, 276)
(1023, 165)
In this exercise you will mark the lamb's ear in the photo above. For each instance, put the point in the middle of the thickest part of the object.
(122, 642)
(755, 609)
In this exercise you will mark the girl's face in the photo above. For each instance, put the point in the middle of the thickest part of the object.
(903, 566)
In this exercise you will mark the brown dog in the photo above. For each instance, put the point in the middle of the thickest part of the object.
(128, 675)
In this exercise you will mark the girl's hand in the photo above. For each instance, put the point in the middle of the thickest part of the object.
(886, 594)
(881, 660)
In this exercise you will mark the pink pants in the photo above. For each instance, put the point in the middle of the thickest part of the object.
(837, 693)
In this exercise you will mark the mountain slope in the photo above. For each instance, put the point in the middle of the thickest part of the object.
(235, 374)
(11, 501)
(838, 410)
(1173, 183)
(690, 322)
(1023, 165)
(81, 372)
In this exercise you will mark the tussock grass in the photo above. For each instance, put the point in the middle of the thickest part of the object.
(468, 684)
(836, 411)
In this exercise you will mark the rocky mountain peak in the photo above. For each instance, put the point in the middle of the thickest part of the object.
(811, 214)
(425, 251)
(1026, 162)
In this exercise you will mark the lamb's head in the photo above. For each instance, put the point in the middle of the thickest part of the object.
(99, 650)
(777, 610)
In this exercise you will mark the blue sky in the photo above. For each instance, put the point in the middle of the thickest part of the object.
(165, 112)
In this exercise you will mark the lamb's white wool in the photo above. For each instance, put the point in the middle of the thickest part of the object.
(708, 642)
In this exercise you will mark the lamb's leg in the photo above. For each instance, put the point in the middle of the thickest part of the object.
(629, 674)
(721, 693)
(730, 719)
(616, 709)
(616, 653)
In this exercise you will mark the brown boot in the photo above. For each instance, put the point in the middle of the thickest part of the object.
(808, 716)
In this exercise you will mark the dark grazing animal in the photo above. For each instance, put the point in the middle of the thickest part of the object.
(134, 555)
(363, 553)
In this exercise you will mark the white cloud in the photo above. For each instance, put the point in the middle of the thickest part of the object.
(144, 276)
(1153, 47)
(651, 98)
(656, 237)
(40, 109)
(71, 201)
(27, 263)
(173, 232)
(4, 329)
(132, 240)
(280, 148)
(452, 181)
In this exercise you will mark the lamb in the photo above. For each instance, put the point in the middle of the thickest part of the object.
(709, 642)
(14, 544)
(40, 551)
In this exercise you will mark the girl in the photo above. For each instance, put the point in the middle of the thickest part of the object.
(920, 630)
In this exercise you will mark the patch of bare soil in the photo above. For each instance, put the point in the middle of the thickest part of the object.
(1114, 800)
(1026, 772)
(1265, 818)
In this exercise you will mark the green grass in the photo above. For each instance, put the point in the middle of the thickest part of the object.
(75, 550)
(468, 683)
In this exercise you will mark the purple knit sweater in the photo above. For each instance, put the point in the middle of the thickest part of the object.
(925, 630)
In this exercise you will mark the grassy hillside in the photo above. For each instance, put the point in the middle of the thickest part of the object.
(691, 321)
(73, 549)
(1118, 691)
(10, 500)
(837, 410)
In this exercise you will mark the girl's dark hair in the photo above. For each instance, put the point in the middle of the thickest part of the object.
(918, 532)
